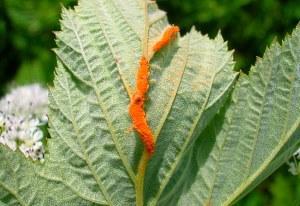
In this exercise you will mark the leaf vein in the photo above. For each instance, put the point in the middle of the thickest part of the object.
(182, 150)
(174, 94)
(18, 198)
(72, 189)
(113, 135)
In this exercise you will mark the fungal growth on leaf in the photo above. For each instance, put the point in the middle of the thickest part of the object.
(168, 35)
(136, 107)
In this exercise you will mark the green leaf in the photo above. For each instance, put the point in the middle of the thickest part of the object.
(251, 137)
(198, 97)
(22, 183)
(94, 153)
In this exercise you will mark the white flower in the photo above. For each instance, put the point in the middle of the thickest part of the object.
(22, 112)
(294, 165)
(297, 154)
(26, 100)
(35, 151)
(293, 168)
(12, 144)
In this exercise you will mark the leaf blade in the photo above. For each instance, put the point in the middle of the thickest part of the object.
(206, 64)
(226, 171)
(93, 154)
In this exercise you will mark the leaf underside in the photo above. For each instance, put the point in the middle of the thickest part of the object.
(93, 153)
(255, 133)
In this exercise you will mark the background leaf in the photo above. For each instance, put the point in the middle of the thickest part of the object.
(205, 84)
(250, 138)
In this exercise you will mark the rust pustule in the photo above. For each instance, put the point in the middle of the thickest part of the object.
(136, 107)
(169, 34)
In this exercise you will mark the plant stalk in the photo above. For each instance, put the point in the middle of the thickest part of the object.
(139, 189)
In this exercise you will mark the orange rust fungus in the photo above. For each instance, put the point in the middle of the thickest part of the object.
(168, 35)
(136, 107)
(142, 77)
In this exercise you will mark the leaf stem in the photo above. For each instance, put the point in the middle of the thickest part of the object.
(146, 31)
(139, 186)
(140, 179)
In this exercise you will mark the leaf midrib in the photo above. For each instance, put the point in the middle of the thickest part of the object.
(258, 127)
(283, 140)
(251, 179)
(216, 173)
(177, 159)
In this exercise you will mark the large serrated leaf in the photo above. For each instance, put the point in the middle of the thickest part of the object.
(198, 97)
(94, 153)
(253, 135)
(196, 71)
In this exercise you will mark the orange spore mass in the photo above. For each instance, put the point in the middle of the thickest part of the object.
(168, 35)
(137, 101)
(142, 77)
(136, 107)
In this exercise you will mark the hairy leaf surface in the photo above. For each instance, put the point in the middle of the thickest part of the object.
(93, 154)
(254, 134)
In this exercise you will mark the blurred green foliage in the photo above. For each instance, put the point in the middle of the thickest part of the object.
(281, 189)
(26, 40)
(248, 25)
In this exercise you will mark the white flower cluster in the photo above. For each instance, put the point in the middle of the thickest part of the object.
(22, 114)
(294, 166)
(29, 100)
